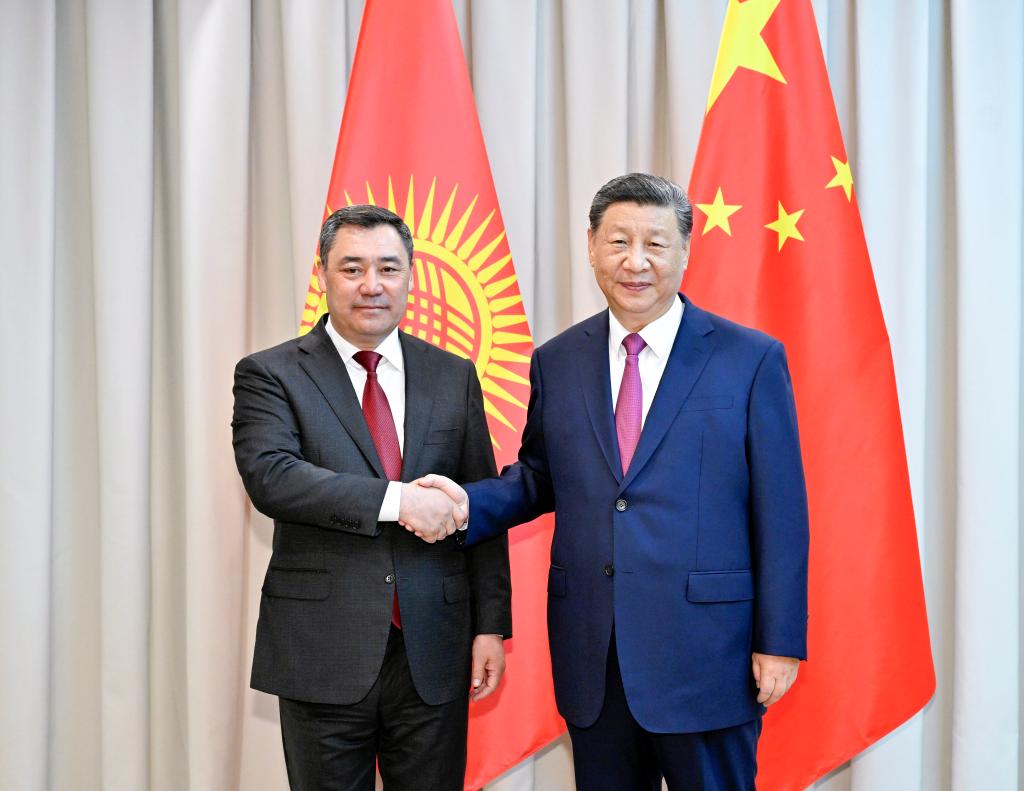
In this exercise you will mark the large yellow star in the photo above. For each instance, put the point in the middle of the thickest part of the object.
(718, 213)
(785, 226)
(742, 45)
(843, 177)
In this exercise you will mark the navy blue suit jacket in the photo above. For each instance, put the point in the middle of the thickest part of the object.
(697, 555)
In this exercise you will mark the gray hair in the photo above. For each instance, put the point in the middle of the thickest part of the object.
(362, 216)
(645, 190)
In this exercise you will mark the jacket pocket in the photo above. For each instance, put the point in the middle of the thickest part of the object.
(556, 581)
(294, 583)
(720, 586)
(456, 587)
(439, 436)
(694, 403)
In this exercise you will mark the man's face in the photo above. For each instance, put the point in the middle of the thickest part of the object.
(365, 276)
(638, 258)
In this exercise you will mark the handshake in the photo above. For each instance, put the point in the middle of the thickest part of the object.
(433, 507)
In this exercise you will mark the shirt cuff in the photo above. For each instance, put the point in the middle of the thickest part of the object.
(392, 505)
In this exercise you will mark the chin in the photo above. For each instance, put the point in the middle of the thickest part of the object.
(380, 327)
(636, 306)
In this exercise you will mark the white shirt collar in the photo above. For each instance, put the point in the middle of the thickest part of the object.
(390, 348)
(659, 335)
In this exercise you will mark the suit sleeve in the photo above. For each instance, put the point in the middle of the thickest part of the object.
(487, 561)
(779, 521)
(523, 491)
(279, 481)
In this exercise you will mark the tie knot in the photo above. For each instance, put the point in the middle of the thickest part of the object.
(369, 360)
(634, 344)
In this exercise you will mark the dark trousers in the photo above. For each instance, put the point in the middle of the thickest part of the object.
(328, 747)
(615, 753)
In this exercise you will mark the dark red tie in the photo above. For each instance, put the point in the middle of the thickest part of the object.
(381, 423)
(630, 404)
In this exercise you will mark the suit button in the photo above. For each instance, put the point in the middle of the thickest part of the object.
(620, 505)
(609, 569)
(389, 578)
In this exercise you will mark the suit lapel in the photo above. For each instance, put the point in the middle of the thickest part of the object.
(420, 387)
(595, 381)
(324, 366)
(690, 353)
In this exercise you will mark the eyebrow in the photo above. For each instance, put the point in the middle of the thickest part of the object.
(644, 231)
(355, 259)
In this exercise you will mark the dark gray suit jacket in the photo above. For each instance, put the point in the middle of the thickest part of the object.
(307, 460)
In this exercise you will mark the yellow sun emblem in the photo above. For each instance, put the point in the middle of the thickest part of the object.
(464, 297)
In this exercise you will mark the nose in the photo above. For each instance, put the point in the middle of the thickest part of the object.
(636, 258)
(371, 285)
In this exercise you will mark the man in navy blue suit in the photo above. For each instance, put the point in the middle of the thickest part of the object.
(665, 440)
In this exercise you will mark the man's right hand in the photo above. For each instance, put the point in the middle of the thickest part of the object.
(448, 486)
(429, 512)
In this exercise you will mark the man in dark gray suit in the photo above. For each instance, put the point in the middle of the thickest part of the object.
(369, 637)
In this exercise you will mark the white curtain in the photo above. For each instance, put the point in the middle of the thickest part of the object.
(162, 174)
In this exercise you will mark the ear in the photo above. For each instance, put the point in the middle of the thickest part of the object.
(591, 241)
(320, 272)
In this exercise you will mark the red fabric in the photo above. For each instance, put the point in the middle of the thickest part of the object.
(774, 149)
(410, 140)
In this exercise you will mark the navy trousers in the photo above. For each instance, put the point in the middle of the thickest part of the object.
(616, 753)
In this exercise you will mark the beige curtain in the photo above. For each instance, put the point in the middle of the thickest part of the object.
(162, 174)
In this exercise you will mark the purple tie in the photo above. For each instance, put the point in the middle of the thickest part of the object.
(381, 423)
(629, 407)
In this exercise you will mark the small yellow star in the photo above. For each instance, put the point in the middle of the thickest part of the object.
(843, 177)
(742, 46)
(718, 213)
(785, 226)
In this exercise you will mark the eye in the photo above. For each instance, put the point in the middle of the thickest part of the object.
(618, 242)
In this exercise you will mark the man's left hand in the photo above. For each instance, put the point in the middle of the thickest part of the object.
(774, 676)
(488, 664)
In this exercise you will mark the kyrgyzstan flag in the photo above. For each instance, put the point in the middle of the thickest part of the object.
(778, 245)
(410, 141)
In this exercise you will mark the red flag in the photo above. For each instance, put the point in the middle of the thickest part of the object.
(411, 141)
(778, 245)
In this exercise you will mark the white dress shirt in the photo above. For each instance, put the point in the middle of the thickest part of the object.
(659, 336)
(391, 375)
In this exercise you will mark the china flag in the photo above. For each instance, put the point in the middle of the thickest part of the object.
(778, 245)
(410, 141)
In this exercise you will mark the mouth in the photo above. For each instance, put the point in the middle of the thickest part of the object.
(370, 307)
(635, 287)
